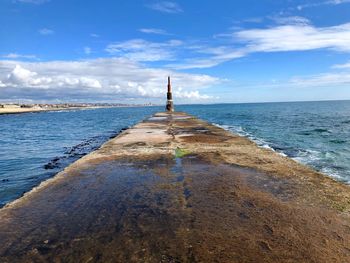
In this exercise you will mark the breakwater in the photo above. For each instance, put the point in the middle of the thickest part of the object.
(177, 189)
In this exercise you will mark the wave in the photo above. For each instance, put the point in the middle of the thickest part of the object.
(314, 131)
(308, 156)
(334, 173)
(240, 131)
(320, 130)
(338, 141)
(323, 162)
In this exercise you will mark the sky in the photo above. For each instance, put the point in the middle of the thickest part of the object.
(219, 51)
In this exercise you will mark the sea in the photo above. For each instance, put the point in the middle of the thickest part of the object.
(36, 146)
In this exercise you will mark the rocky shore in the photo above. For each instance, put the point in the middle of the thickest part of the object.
(177, 189)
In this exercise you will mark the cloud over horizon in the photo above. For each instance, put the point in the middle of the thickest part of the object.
(272, 44)
(103, 79)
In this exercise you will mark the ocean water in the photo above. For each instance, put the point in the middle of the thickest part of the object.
(314, 133)
(35, 146)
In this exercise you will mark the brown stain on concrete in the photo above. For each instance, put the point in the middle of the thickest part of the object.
(226, 201)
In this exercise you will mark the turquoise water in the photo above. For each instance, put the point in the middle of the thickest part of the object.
(35, 146)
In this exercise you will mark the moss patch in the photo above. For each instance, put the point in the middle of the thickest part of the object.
(179, 153)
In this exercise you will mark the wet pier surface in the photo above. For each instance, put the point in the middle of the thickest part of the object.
(177, 189)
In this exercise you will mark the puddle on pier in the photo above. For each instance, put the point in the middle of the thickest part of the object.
(158, 118)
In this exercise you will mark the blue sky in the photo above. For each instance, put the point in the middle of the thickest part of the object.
(215, 51)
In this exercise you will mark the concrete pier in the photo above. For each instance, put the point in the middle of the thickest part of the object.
(177, 189)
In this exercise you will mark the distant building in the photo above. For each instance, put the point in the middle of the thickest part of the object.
(26, 106)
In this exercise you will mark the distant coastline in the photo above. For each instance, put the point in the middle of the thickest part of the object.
(27, 108)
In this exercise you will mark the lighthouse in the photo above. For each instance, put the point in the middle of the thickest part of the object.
(169, 103)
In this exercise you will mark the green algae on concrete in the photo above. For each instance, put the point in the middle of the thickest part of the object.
(179, 153)
(223, 199)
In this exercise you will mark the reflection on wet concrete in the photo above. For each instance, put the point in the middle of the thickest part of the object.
(113, 205)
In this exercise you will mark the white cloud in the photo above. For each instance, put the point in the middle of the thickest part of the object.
(328, 2)
(89, 82)
(213, 57)
(142, 50)
(104, 79)
(291, 20)
(342, 66)
(322, 80)
(296, 37)
(37, 2)
(46, 31)
(333, 79)
(337, 2)
(87, 50)
(156, 31)
(94, 35)
(295, 34)
(19, 56)
(339, 77)
(291, 34)
(255, 20)
(166, 7)
(194, 95)
(20, 77)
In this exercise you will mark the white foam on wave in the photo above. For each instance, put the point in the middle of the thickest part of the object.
(309, 157)
(335, 174)
(240, 131)
(59, 111)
